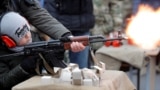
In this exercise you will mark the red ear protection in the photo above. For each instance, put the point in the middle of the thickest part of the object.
(8, 41)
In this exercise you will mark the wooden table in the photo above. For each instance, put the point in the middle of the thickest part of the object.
(111, 80)
(135, 57)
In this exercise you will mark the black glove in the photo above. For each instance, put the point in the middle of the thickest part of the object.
(66, 37)
(29, 64)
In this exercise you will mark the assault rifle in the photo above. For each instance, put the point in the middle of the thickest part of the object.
(56, 45)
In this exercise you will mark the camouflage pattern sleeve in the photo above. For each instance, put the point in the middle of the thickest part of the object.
(119, 10)
(109, 16)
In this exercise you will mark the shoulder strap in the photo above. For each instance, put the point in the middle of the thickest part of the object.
(93, 58)
(49, 69)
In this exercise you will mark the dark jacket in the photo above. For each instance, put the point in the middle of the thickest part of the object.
(11, 72)
(76, 15)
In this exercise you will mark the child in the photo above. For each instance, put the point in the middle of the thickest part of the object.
(15, 32)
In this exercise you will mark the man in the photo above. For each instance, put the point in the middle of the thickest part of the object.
(104, 21)
(109, 15)
(77, 16)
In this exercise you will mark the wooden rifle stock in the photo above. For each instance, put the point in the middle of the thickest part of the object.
(81, 39)
(86, 40)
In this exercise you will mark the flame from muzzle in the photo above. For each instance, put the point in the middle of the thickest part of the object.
(144, 27)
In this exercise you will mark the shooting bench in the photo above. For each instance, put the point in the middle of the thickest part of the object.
(115, 57)
(111, 80)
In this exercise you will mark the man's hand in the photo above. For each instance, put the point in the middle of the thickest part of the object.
(77, 47)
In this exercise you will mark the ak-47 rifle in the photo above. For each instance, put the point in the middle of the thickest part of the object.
(56, 45)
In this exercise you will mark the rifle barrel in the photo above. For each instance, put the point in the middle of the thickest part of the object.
(14, 54)
(104, 40)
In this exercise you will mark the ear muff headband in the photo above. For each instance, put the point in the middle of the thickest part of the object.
(9, 42)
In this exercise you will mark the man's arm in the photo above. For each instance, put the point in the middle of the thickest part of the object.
(41, 19)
